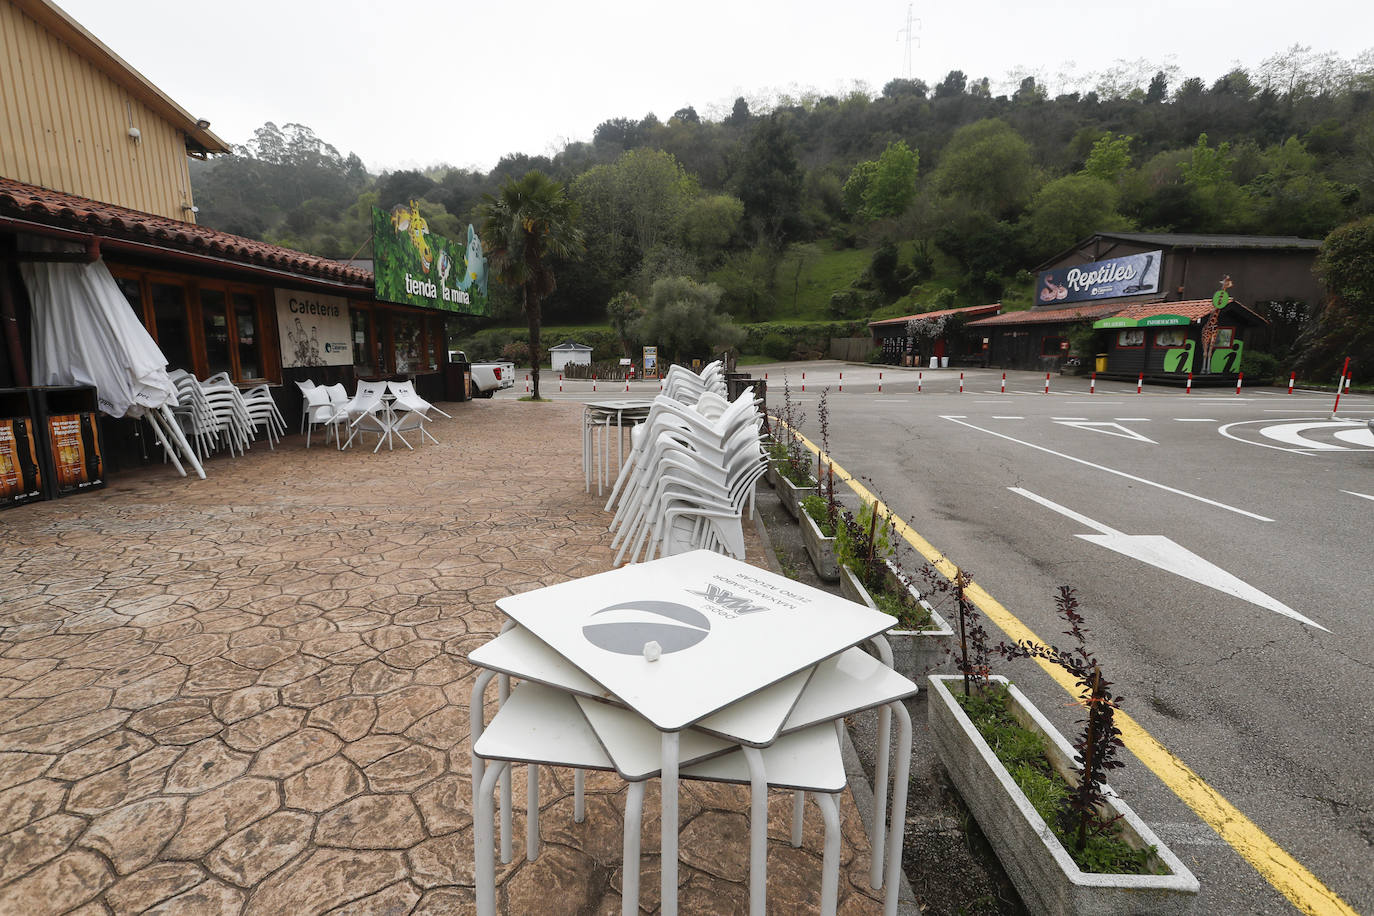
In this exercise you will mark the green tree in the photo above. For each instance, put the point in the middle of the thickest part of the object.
(710, 223)
(886, 186)
(1068, 209)
(1343, 325)
(684, 318)
(988, 164)
(770, 183)
(525, 227)
(1110, 156)
(624, 310)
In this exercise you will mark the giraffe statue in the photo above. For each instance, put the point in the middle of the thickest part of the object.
(1209, 330)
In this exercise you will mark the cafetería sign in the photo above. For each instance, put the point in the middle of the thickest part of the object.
(314, 329)
(1132, 275)
(413, 266)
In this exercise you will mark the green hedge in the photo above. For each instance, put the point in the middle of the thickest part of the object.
(781, 340)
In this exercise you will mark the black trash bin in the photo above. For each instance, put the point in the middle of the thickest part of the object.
(458, 381)
(22, 478)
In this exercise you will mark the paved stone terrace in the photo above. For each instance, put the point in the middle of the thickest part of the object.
(249, 694)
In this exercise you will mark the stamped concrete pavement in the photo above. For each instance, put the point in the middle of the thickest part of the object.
(249, 694)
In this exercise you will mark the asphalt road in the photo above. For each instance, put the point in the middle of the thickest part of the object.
(1263, 689)
(1273, 713)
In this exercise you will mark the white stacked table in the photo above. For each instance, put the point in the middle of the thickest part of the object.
(705, 643)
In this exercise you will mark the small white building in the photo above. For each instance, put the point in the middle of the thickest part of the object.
(570, 353)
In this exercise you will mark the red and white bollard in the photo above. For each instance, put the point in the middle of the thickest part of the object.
(560, 381)
(627, 383)
(765, 376)
(919, 376)
(842, 381)
(1240, 377)
(1341, 386)
(1189, 389)
(961, 383)
(1292, 376)
(527, 384)
(1092, 383)
(1139, 383)
(803, 381)
(1047, 383)
(1004, 383)
(593, 383)
(880, 383)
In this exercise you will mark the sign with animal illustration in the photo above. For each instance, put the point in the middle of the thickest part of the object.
(413, 266)
(1132, 275)
(314, 329)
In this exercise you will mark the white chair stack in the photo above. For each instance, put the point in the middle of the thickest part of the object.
(691, 469)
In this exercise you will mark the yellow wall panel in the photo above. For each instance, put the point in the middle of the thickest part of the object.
(64, 125)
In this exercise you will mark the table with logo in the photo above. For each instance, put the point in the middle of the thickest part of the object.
(701, 639)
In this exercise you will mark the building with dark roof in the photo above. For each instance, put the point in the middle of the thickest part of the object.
(1108, 273)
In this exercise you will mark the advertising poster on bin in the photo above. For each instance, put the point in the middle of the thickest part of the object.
(413, 266)
(1132, 275)
(21, 479)
(75, 451)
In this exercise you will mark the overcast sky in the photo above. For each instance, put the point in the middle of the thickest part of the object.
(407, 84)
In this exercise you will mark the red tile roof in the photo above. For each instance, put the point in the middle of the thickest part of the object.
(1046, 316)
(67, 211)
(1196, 309)
(970, 310)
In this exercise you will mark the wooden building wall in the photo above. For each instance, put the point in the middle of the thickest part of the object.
(64, 125)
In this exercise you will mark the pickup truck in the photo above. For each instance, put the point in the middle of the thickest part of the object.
(487, 378)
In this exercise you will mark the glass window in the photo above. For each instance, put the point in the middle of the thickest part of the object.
(1053, 346)
(129, 286)
(406, 339)
(172, 327)
(1170, 337)
(1225, 337)
(1130, 337)
(250, 344)
(436, 342)
(362, 340)
(216, 324)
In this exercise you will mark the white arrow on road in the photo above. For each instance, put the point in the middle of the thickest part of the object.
(1159, 551)
(1111, 429)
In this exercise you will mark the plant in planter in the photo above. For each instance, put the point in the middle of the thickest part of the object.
(820, 510)
(1069, 844)
(871, 574)
(792, 469)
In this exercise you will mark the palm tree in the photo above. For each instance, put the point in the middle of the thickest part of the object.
(529, 223)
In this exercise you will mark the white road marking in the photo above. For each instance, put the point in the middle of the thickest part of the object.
(1064, 419)
(1110, 429)
(1133, 419)
(1360, 435)
(1361, 495)
(1195, 419)
(1100, 467)
(1163, 553)
(1292, 434)
(1009, 418)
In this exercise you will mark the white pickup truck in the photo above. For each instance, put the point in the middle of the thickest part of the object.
(487, 378)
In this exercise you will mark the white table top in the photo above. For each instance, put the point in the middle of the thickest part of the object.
(809, 759)
(621, 404)
(845, 684)
(726, 629)
(636, 747)
(539, 724)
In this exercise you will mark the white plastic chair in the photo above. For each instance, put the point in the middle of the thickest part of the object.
(304, 385)
(368, 412)
(319, 410)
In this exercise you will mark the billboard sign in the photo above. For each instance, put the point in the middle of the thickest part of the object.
(412, 266)
(651, 362)
(314, 329)
(1132, 275)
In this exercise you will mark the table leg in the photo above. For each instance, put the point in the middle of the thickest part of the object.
(877, 832)
(483, 841)
(579, 795)
(507, 852)
(830, 864)
(634, 814)
(531, 812)
(668, 823)
(476, 724)
(758, 833)
(898, 830)
(798, 815)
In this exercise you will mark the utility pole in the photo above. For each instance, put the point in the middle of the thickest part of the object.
(909, 36)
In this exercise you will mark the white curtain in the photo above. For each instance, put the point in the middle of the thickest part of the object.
(85, 333)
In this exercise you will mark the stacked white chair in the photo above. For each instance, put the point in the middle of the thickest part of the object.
(320, 410)
(304, 385)
(682, 384)
(262, 411)
(692, 468)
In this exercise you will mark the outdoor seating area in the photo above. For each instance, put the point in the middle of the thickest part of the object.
(384, 410)
(694, 459)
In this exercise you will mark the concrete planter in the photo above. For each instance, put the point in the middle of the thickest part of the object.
(914, 652)
(1038, 864)
(819, 548)
(791, 495)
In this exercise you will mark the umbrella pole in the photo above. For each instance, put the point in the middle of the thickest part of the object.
(162, 440)
(175, 429)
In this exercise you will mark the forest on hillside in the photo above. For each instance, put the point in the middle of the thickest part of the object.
(870, 204)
